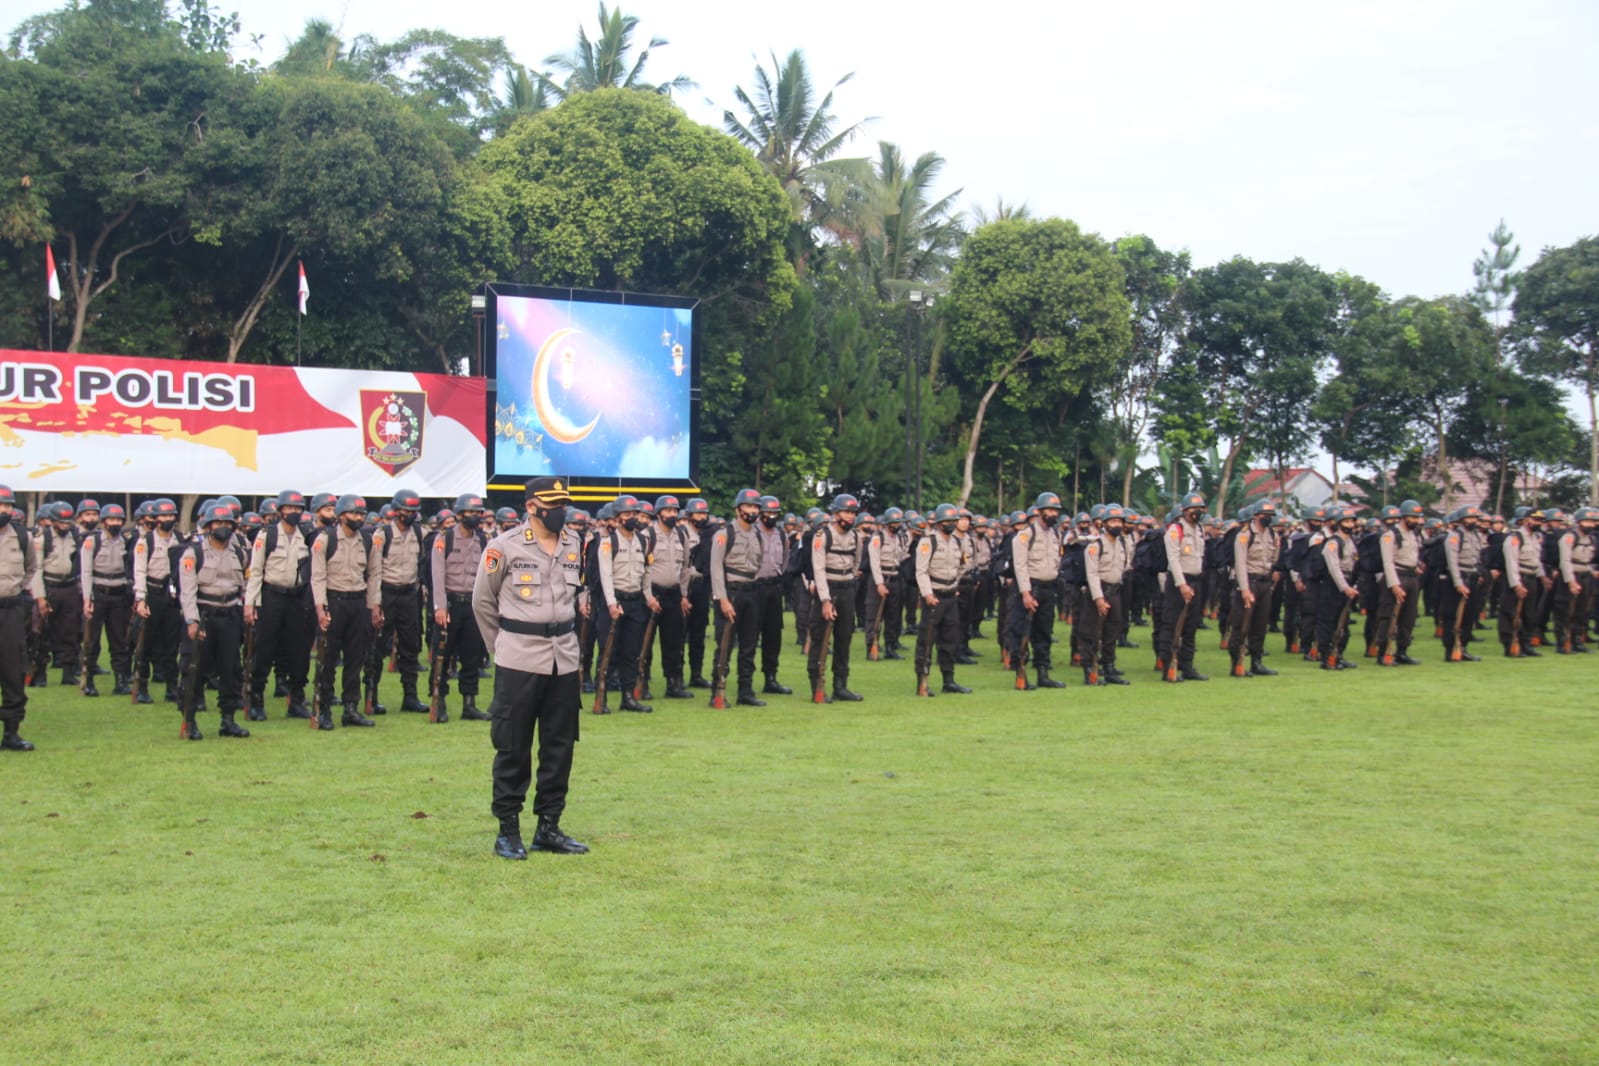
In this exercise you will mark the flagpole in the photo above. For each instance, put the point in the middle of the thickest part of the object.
(50, 328)
(297, 339)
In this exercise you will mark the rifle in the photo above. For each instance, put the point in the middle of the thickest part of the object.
(644, 658)
(38, 649)
(874, 649)
(247, 657)
(817, 693)
(724, 645)
(1020, 660)
(1383, 658)
(1240, 625)
(1515, 626)
(1458, 649)
(321, 673)
(138, 683)
(437, 668)
(604, 667)
(924, 655)
(1174, 652)
(86, 657)
(191, 681)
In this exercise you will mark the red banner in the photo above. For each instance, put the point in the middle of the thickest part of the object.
(104, 423)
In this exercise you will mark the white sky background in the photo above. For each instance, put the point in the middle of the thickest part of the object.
(1382, 137)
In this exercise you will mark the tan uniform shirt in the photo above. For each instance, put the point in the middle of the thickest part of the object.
(103, 561)
(402, 566)
(153, 566)
(1523, 556)
(456, 554)
(623, 570)
(670, 566)
(1254, 554)
(938, 564)
(1399, 548)
(218, 580)
(345, 572)
(519, 581)
(1035, 554)
(1105, 557)
(735, 556)
(1340, 554)
(1185, 551)
(1463, 550)
(19, 561)
(835, 557)
(280, 569)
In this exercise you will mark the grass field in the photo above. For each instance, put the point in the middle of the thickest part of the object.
(1385, 866)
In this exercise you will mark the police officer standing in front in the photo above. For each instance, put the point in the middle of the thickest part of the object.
(624, 561)
(1400, 551)
(1185, 560)
(736, 556)
(938, 573)
(211, 581)
(1035, 560)
(836, 562)
(456, 553)
(106, 565)
(393, 595)
(523, 599)
(1255, 575)
(1102, 618)
(19, 568)
(339, 561)
(277, 603)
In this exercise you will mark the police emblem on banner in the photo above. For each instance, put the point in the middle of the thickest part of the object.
(392, 427)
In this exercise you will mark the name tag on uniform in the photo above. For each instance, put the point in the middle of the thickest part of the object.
(1188, 550)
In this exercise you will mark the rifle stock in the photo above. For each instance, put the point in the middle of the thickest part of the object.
(818, 687)
(604, 667)
(719, 675)
(321, 672)
(644, 657)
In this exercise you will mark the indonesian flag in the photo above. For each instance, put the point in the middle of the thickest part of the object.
(55, 279)
(305, 288)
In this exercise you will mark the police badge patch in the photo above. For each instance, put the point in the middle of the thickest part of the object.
(491, 560)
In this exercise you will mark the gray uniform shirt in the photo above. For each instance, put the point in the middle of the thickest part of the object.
(1254, 554)
(519, 580)
(1185, 551)
(1340, 554)
(1105, 558)
(1576, 555)
(345, 572)
(735, 556)
(1463, 554)
(624, 569)
(670, 565)
(836, 555)
(102, 561)
(152, 565)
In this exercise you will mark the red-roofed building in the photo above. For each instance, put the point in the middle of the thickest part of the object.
(1300, 489)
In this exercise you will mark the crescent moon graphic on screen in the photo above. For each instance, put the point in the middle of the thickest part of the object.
(555, 423)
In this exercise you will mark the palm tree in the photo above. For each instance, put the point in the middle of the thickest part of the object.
(603, 62)
(904, 237)
(792, 135)
(524, 94)
(1002, 212)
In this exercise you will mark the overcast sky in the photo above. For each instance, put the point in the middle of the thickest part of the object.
(1382, 137)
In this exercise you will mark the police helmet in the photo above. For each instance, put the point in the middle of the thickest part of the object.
(290, 498)
(746, 496)
(217, 512)
(113, 510)
(624, 503)
(893, 516)
(697, 506)
(946, 512)
(1112, 510)
(1097, 512)
(1193, 502)
(1409, 509)
(1390, 511)
(321, 500)
(469, 501)
(505, 514)
(87, 505)
(667, 503)
(406, 500)
(844, 502)
(350, 503)
(770, 505)
(7, 496)
(1047, 499)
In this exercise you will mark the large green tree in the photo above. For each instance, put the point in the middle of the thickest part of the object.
(1557, 315)
(1258, 333)
(606, 61)
(106, 108)
(1035, 310)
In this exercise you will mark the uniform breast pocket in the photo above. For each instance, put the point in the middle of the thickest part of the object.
(530, 586)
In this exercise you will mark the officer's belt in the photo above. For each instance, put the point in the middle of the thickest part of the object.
(629, 597)
(10, 601)
(59, 582)
(769, 580)
(840, 582)
(334, 595)
(458, 597)
(740, 586)
(100, 586)
(1405, 571)
(946, 592)
(666, 590)
(283, 590)
(1109, 586)
(115, 575)
(399, 590)
(218, 605)
(537, 629)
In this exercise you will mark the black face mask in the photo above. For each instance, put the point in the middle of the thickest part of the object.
(669, 522)
(698, 520)
(402, 519)
(353, 524)
(328, 521)
(947, 527)
(552, 520)
(165, 525)
(1051, 519)
(113, 528)
(221, 531)
(769, 520)
(89, 524)
(5, 519)
(470, 521)
(748, 517)
(631, 524)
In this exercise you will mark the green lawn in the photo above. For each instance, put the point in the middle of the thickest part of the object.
(1385, 866)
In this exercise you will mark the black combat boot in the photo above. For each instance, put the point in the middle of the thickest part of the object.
(88, 686)
(508, 845)
(698, 681)
(747, 698)
(644, 692)
(69, 676)
(776, 687)
(410, 704)
(1045, 681)
(354, 717)
(676, 690)
(172, 693)
(38, 680)
(278, 691)
(373, 707)
(631, 704)
(190, 729)
(469, 711)
(1190, 674)
(122, 686)
(12, 742)
(324, 720)
(1260, 669)
(842, 694)
(230, 728)
(297, 707)
(953, 687)
(548, 837)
